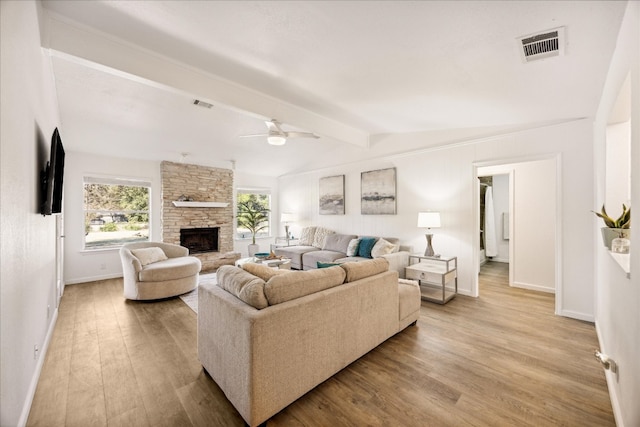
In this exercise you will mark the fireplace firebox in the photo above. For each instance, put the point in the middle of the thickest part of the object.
(199, 240)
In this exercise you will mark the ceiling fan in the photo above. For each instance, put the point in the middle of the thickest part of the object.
(277, 136)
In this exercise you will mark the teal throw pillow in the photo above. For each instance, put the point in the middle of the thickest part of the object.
(327, 264)
(366, 244)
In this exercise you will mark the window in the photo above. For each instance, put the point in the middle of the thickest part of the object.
(115, 212)
(253, 213)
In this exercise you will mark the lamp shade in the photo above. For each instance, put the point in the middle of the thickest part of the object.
(287, 217)
(428, 219)
(276, 140)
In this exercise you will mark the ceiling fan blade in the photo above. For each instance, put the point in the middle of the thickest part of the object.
(254, 135)
(301, 135)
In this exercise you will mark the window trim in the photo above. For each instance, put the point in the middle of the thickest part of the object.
(252, 190)
(110, 180)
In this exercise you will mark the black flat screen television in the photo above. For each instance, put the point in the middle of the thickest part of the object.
(52, 177)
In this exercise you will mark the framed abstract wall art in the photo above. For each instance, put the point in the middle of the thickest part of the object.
(331, 195)
(378, 192)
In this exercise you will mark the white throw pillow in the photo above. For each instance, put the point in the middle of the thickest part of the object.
(321, 234)
(382, 247)
(307, 235)
(352, 249)
(148, 256)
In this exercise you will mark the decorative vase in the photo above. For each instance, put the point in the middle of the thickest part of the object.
(608, 234)
(620, 245)
(253, 249)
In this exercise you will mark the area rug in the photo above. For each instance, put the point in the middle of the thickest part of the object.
(191, 298)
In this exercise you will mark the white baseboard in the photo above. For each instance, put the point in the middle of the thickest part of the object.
(611, 380)
(533, 287)
(92, 278)
(577, 315)
(26, 408)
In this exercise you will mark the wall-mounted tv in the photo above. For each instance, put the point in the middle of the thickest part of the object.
(52, 177)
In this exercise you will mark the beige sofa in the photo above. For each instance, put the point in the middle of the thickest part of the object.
(154, 270)
(268, 342)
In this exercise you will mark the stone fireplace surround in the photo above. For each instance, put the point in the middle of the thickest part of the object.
(201, 184)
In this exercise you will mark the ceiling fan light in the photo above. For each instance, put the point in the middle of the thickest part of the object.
(276, 140)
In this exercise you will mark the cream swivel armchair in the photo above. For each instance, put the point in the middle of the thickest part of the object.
(154, 270)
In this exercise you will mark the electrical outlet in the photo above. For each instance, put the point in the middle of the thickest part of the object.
(36, 352)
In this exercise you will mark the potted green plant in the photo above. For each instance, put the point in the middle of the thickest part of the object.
(254, 217)
(615, 227)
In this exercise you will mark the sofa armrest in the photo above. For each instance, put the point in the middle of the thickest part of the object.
(130, 264)
(173, 251)
(397, 262)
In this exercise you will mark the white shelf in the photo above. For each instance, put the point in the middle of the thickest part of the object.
(624, 260)
(200, 204)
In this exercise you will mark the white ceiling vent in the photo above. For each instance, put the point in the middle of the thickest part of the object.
(542, 45)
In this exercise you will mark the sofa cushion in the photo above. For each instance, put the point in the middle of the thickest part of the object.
(306, 236)
(297, 284)
(408, 297)
(352, 249)
(294, 253)
(310, 259)
(327, 264)
(170, 269)
(262, 271)
(359, 270)
(242, 284)
(148, 256)
(383, 247)
(337, 242)
(366, 244)
(321, 234)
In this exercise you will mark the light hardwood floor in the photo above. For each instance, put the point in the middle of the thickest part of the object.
(502, 359)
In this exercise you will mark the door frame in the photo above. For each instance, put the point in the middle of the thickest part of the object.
(497, 164)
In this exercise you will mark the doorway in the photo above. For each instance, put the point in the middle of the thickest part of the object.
(495, 207)
(527, 224)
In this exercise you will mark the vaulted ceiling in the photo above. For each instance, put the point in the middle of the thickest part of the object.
(127, 73)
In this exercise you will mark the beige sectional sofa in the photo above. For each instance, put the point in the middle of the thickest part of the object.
(318, 244)
(268, 336)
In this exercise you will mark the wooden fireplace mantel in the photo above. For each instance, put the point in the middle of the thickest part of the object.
(200, 204)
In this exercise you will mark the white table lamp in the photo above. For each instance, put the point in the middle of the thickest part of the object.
(286, 218)
(429, 220)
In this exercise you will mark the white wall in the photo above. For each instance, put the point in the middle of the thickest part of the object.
(28, 116)
(535, 228)
(618, 181)
(86, 266)
(443, 179)
(618, 296)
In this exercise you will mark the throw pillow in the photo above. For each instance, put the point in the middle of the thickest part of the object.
(352, 249)
(359, 270)
(307, 235)
(366, 244)
(321, 234)
(297, 284)
(337, 242)
(382, 247)
(244, 285)
(148, 256)
(262, 271)
(327, 264)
